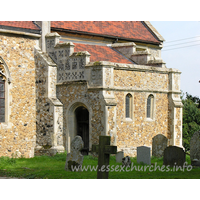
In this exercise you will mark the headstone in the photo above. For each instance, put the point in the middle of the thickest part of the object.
(144, 155)
(195, 146)
(195, 163)
(75, 158)
(159, 143)
(126, 161)
(119, 156)
(174, 155)
(104, 150)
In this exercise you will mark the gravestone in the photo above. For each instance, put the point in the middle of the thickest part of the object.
(104, 150)
(126, 161)
(195, 146)
(174, 155)
(119, 156)
(195, 163)
(144, 155)
(159, 143)
(75, 158)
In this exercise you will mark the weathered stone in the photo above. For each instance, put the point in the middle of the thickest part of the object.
(75, 158)
(195, 163)
(48, 85)
(119, 156)
(104, 150)
(195, 146)
(144, 155)
(174, 155)
(159, 143)
(126, 161)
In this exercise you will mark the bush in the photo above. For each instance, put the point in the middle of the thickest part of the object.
(191, 119)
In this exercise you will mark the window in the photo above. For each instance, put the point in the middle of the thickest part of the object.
(2, 100)
(128, 105)
(150, 100)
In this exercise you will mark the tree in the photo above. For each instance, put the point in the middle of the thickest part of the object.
(191, 118)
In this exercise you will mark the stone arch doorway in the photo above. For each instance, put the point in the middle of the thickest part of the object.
(82, 126)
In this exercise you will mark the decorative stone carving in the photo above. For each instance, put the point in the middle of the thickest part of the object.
(96, 76)
(75, 158)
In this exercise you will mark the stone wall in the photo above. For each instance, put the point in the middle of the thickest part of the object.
(49, 116)
(139, 130)
(18, 133)
(141, 80)
(73, 95)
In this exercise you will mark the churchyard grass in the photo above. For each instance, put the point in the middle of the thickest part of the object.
(45, 167)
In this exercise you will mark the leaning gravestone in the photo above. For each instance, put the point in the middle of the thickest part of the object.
(174, 155)
(195, 146)
(75, 158)
(119, 156)
(144, 155)
(159, 143)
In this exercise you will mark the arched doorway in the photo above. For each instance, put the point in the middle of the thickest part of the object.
(82, 127)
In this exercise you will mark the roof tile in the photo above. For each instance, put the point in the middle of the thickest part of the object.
(101, 53)
(124, 29)
(20, 24)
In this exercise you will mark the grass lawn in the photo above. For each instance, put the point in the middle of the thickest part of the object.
(45, 167)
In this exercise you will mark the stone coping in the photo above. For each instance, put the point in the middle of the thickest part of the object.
(20, 33)
(132, 67)
(63, 45)
(128, 44)
(81, 53)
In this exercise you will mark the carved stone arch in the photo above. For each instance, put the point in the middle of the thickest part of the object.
(4, 71)
(72, 123)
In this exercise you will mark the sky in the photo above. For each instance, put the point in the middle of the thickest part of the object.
(177, 55)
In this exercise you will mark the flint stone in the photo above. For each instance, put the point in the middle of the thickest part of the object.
(174, 155)
(75, 158)
(119, 156)
(195, 146)
(126, 161)
(159, 143)
(144, 155)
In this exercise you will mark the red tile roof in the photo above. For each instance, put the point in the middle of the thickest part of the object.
(20, 24)
(135, 30)
(101, 53)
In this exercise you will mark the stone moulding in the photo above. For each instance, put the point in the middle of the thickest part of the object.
(4, 71)
(63, 45)
(129, 44)
(73, 82)
(45, 57)
(19, 33)
(55, 101)
(132, 67)
(80, 53)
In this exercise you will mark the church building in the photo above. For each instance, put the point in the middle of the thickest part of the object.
(60, 79)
